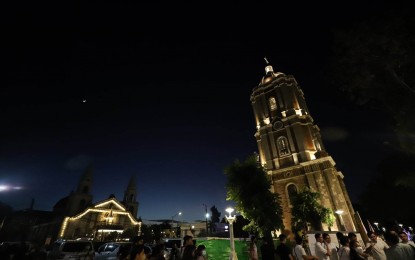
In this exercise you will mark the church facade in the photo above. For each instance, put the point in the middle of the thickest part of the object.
(291, 149)
(76, 216)
(100, 221)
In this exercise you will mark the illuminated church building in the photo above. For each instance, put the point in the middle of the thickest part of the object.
(76, 216)
(291, 149)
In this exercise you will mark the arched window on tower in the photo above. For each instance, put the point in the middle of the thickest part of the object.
(318, 146)
(282, 143)
(85, 190)
(82, 204)
(131, 199)
(272, 104)
(291, 191)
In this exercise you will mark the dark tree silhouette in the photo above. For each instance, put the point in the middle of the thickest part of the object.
(249, 187)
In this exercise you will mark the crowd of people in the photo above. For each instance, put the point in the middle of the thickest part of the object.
(392, 245)
(139, 251)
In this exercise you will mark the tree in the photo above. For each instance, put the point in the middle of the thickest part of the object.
(215, 218)
(215, 214)
(379, 200)
(373, 62)
(249, 187)
(307, 210)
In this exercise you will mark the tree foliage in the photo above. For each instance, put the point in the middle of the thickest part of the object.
(307, 210)
(249, 187)
(381, 201)
(373, 62)
(215, 214)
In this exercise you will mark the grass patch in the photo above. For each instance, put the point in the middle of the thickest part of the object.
(219, 249)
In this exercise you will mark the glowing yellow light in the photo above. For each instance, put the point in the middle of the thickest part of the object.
(110, 230)
(120, 207)
(266, 120)
(105, 210)
(63, 228)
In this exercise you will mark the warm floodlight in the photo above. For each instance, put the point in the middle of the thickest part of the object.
(339, 211)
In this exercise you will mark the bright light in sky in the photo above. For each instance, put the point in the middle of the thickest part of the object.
(4, 188)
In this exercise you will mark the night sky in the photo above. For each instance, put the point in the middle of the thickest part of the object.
(162, 93)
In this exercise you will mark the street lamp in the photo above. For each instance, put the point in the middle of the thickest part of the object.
(207, 230)
(231, 219)
(340, 213)
(171, 226)
(376, 224)
(207, 216)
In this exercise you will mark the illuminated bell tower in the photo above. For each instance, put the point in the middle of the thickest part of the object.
(82, 197)
(291, 149)
(130, 198)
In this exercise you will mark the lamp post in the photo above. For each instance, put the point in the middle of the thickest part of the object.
(231, 219)
(340, 213)
(171, 226)
(207, 216)
(376, 224)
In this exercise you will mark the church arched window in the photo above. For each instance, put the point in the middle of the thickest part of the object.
(282, 144)
(291, 191)
(272, 104)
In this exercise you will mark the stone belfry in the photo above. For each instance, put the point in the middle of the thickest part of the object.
(130, 198)
(291, 149)
(82, 197)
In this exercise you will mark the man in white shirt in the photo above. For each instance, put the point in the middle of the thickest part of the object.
(322, 249)
(299, 252)
(396, 250)
(376, 246)
(332, 247)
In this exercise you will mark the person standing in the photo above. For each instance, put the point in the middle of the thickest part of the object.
(267, 252)
(188, 249)
(332, 247)
(404, 239)
(201, 253)
(138, 243)
(344, 250)
(174, 253)
(253, 250)
(321, 248)
(396, 250)
(376, 246)
(356, 251)
(299, 252)
(283, 251)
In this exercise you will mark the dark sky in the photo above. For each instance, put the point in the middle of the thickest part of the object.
(167, 93)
